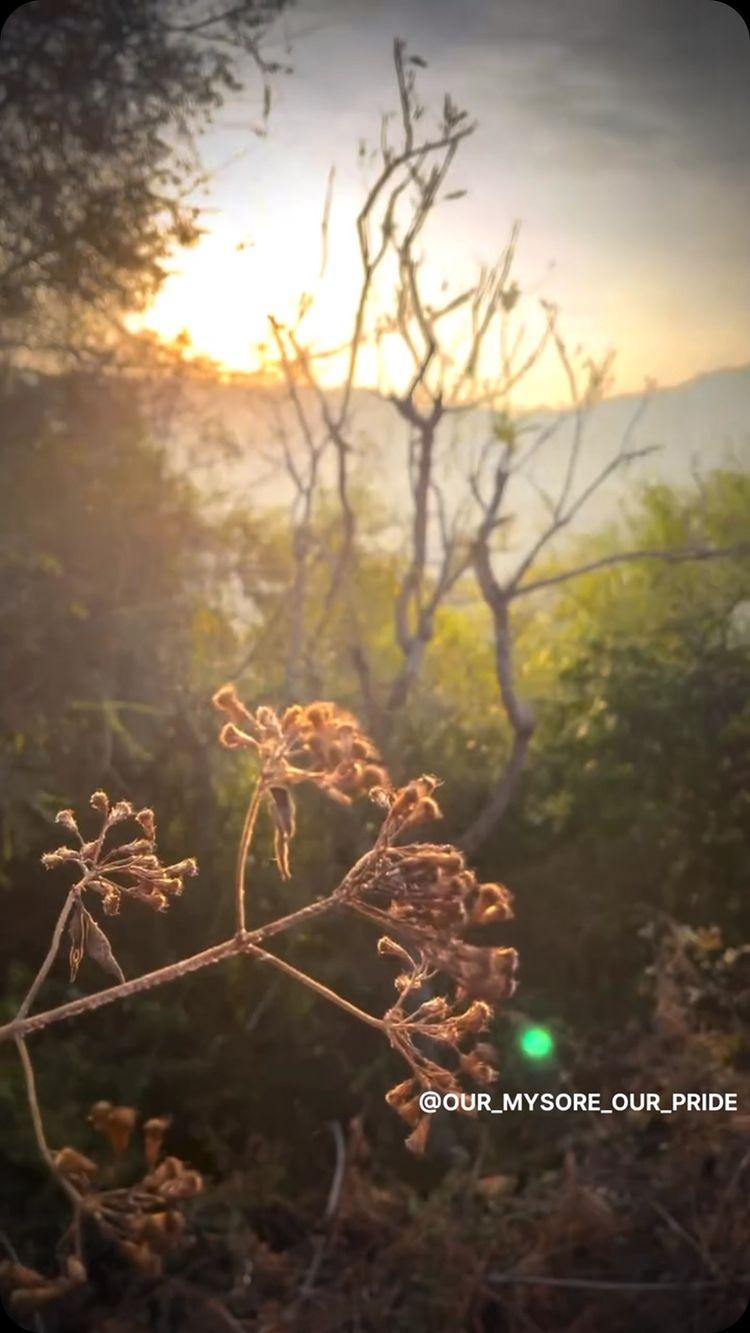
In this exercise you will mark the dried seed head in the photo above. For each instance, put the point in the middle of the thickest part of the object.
(318, 743)
(111, 901)
(50, 860)
(172, 1179)
(410, 805)
(67, 819)
(131, 868)
(401, 1094)
(234, 739)
(76, 1271)
(492, 903)
(122, 810)
(153, 1137)
(70, 1162)
(429, 893)
(489, 974)
(227, 699)
(116, 1123)
(147, 821)
(98, 1114)
(142, 1257)
(417, 1140)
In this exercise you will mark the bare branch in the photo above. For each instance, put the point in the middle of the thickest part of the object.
(672, 556)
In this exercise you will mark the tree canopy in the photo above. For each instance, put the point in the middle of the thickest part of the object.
(100, 106)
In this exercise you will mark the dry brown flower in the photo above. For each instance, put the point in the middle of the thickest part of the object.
(423, 893)
(131, 869)
(116, 1123)
(318, 743)
(427, 895)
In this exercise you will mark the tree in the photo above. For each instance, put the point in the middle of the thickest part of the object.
(467, 351)
(119, 594)
(100, 104)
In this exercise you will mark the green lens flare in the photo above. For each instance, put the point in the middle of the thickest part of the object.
(536, 1043)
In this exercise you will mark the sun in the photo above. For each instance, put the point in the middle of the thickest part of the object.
(219, 296)
(221, 293)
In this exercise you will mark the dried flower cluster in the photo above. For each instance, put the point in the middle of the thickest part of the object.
(422, 893)
(29, 1290)
(436, 1021)
(319, 743)
(427, 894)
(430, 885)
(131, 868)
(144, 1221)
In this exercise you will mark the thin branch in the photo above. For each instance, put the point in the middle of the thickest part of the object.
(38, 1127)
(217, 953)
(43, 972)
(607, 1284)
(324, 222)
(320, 989)
(332, 1204)
(677, 555)
(248, 829)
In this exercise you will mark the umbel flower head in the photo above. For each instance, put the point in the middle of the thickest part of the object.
(438, 1036)
(318, 743)
(128, 869)
(113, 870)
(427, 894)
(145, 1222)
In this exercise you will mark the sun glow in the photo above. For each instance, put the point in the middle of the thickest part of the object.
(219, 297)
(221, 293)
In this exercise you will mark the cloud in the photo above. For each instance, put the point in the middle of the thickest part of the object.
(666, 78)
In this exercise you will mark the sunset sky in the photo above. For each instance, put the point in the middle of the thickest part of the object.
(615, 130)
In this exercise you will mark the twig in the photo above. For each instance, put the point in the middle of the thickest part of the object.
(36, 1121)
(678, 555)
(685, 1235)
(320, 989)
(217, 953)
(247, 836)
(332, 1204)
(325, 221)
(41, 975)
(606, 1284)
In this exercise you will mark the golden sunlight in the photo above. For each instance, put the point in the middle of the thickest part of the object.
(219, 297)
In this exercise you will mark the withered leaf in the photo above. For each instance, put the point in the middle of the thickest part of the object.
(282, 813)
(77, 933)
(97, 946)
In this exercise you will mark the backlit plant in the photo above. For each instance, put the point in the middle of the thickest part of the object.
(421, 895)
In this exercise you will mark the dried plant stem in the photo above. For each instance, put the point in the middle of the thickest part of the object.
(317, 986)
(244, 847)
(239, 944)
(605, 1284)
(36, 1121)
(41, 975)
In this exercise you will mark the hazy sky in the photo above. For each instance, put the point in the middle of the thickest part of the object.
(615, 130)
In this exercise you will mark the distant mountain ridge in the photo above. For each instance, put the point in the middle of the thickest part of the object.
(695, 426)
